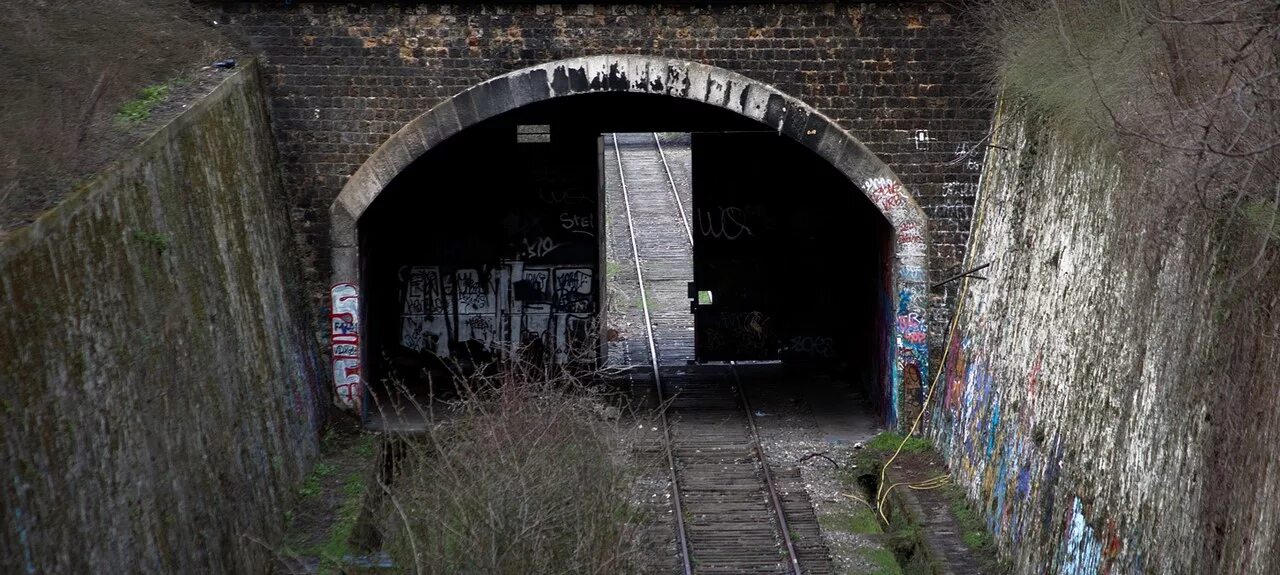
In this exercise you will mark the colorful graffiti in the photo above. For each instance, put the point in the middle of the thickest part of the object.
(1014, 473)
(909, 358)
(344, 343)
(911, 369)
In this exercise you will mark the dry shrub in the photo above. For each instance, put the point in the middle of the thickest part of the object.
(69, 65)
(1185, 95)
(526, 473)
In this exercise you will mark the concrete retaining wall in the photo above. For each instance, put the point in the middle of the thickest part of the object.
(1066, 408)
(160, 388)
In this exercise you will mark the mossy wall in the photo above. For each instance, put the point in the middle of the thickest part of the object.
(160, 385)
(1069, 407)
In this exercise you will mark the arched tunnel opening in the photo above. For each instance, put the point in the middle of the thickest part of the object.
(495, 240)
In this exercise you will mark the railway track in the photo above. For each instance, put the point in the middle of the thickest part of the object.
(733, 513)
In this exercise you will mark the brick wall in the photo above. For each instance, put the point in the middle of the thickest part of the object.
(344, 77)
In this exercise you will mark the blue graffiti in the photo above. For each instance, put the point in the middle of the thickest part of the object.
(993, 426)
(1083, 552)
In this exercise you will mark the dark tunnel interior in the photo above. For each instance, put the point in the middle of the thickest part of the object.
(492, 240)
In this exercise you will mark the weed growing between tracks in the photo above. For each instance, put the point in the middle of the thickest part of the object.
(522, 475)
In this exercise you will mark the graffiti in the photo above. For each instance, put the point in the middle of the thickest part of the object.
(745, 333)
(1015, 472)
(478, 327)
(911, 367)
(965, 150)
(344, 340)
(536, 328)
(518, 224)
(1082, 552)
(474, 294)
(910, 233)
(729, 224)
(573, 290)
(951, 189)
(487, 309)
(578, 223)
(921, 139)
(423, 326)
(955, 374)
(885, 193)
(573, 333)
(539, 247)
(911, 327)
(911, 274)
(534, 287)
(562, 196)
(813, 345)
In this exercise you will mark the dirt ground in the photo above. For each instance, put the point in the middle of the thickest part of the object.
(69, 66)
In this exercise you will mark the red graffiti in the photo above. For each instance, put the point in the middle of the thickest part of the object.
(344, 341)
(885, 193)
(910, 233)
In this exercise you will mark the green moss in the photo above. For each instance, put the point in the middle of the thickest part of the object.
(156, 240)
(139, 109)
(1260, 217)
(882, 561)
(337, 547)
(311, 487)
(888, 441)
(973, 531)
(365, 447)
(857, 518)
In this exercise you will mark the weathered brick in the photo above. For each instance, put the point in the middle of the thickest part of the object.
(345, 77)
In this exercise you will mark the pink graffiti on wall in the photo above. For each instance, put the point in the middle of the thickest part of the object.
(344, 341)
(911, 327)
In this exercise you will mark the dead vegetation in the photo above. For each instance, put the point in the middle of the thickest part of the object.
(70, 67)
(525, 472)
(1185, 96)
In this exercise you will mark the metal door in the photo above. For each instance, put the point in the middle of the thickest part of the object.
(737, 187)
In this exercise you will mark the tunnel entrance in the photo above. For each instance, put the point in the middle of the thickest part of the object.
(749, 252)
(789, 259)
(477, 232)
(493, 242)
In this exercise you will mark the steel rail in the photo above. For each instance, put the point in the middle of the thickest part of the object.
(684, 218)
(681, 530)
(774, 499)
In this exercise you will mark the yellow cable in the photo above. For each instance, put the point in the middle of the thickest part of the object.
(859, 500)
(882, 493)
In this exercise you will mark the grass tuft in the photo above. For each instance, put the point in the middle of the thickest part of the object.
(973, 530)
(139, 109)
(888, 441)
(1074, 63)
(881, 561)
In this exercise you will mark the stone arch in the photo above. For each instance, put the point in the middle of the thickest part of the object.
(678, 79)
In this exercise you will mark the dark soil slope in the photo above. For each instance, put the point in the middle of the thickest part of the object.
(67, 67)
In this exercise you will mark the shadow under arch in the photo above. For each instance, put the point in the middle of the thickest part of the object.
(640, 75)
